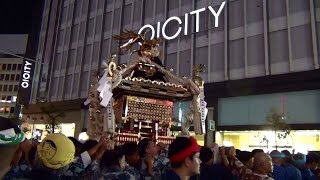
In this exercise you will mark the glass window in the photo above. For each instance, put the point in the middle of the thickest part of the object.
(17, 77)
(173, 5)
(16, 87)
(301, 42)
(68, 85)
(137, 11)
(90, 27)
(116, 23)
(107, 21)
(5, 88)
(74, 34)
(70, 12)
(60, 87)
(276, 8)
(100, 4)
(1, 77)
(255, 50)
(254, 11)
(127, 14)
(79, 56)
(64, 60)
(85, 7)
(4, 67)
(72, 58)
(12, 77)
(202, 58)
(67, 37)
(11, 109)
(237, 54)
(93, 4)
(84, 81)
(1, 109)
(160, 6)
(185, 63)
(148, 9)
(109, 2)
(10, 88)
(64, 15)
(171, 62)
(7, 77)
(298, 5)
(9, 98)
(87, 54)
(236, 14)
(75, 89)
(14, 67)
(95, 55)
(54, 87)
(6, 109)
(9, 67)
(19, 66)
(78, 7)
(98, 24)
(217, 57)
(105, 48)
(3, 97)
(0, 87)
(60, 39)
(57, 62)
(279, 50)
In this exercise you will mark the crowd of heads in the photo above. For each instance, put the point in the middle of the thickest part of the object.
(66, 157)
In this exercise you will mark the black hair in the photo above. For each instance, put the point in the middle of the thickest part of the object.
(7, 123)
(88, 145)
(244, 156)
(130, 148)
(111, 158)
(255, 151)
(286, 152)
(178, 145)
(312, 157)
(237, 152)
(205, 155)
(76, 143)
(143, 144)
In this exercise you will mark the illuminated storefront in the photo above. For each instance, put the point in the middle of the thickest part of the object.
(242, 121)
(39, 131)
(298, 140)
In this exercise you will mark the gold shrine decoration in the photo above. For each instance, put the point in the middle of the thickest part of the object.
(149, 109)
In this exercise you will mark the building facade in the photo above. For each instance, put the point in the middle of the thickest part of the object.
(255, 41)
(10, 70)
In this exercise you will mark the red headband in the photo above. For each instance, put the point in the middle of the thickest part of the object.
(182, 155)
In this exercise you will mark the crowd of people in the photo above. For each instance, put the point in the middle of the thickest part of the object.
(60, 157)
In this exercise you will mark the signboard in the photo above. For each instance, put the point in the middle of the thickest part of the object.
(161, 28)
(25, 84)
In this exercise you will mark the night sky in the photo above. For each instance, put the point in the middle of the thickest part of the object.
(18, 16)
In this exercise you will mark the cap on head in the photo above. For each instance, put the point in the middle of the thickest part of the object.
(56, 151)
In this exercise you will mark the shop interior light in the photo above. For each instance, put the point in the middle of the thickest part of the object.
(83, 137)
(227, 144)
